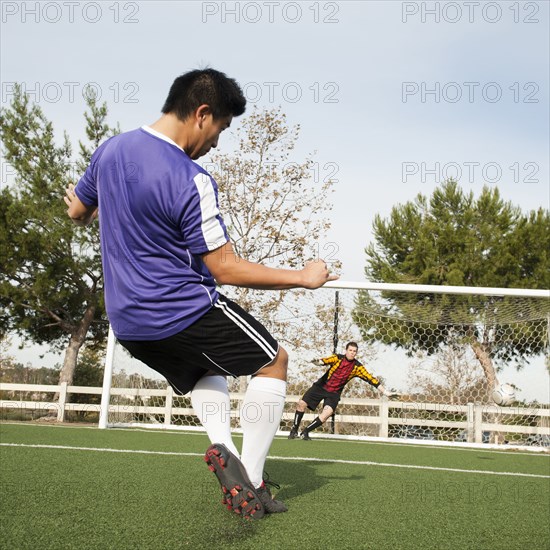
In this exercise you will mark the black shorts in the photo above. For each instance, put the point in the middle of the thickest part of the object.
(317, 393)
(227, 340)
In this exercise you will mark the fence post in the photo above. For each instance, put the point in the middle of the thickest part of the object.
(384, 416)
(470, 421)
(478, 419)
(61, 402)
(168, 406)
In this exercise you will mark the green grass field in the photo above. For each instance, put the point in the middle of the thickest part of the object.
(68, 487)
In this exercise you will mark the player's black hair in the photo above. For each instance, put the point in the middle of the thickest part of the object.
(352, 344)
(205, 86)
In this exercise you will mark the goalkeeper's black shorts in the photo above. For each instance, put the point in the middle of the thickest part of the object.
(317, 393)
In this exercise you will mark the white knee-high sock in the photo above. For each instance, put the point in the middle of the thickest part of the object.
(260, 418)
(210, 400)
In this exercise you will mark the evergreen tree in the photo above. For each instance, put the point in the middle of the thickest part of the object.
(51, 286)
(452, 238)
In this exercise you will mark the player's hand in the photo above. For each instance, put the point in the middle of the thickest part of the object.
(70, 198)
(316, 274)
(69, 195)
(317, 362)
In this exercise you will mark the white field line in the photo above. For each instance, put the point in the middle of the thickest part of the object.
(290, 458)
(518, 450)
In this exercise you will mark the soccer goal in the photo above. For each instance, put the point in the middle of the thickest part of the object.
(442, 349)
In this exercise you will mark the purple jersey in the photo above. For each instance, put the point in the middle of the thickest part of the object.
(158, 213)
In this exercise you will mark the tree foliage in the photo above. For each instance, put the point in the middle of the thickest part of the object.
(453, 238)
(275, 211)
(50, 277)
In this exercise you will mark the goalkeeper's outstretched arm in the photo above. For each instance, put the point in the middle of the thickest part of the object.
(387, 393)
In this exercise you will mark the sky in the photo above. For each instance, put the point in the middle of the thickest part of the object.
(392, 97)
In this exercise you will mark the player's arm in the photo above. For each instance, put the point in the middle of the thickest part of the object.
(364, 374)
(330, 360)
(80, 213)
(229, 269)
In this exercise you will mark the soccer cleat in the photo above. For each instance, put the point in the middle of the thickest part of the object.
(305, 436)
(239, 494)
(293, 434)
(271, 505)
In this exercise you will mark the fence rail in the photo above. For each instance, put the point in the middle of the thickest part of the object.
(477, 419)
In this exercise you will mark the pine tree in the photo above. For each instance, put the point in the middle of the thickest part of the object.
(452, 238)
(51, 285)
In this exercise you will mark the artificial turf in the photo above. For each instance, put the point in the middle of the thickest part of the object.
(87, 499)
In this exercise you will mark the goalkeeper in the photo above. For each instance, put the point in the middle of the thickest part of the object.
(342, 368)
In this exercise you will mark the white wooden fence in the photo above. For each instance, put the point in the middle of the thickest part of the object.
(412, 420)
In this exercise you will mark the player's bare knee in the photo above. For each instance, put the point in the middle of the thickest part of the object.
(282, 358)
(278, 367)
(301, 406)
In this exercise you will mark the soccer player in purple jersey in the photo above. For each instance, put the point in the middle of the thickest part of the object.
(164, 247)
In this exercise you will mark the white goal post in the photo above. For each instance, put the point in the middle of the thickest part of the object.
(442, 348)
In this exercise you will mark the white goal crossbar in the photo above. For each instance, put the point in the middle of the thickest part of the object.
(439, 289)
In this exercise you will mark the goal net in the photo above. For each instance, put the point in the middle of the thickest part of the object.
(443, 350)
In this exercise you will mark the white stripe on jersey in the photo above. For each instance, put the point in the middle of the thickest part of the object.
(254, 335)
(207, 291)
(160, 136)
(211, 227)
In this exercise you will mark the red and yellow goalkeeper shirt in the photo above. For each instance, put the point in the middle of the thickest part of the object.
(341, 371)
